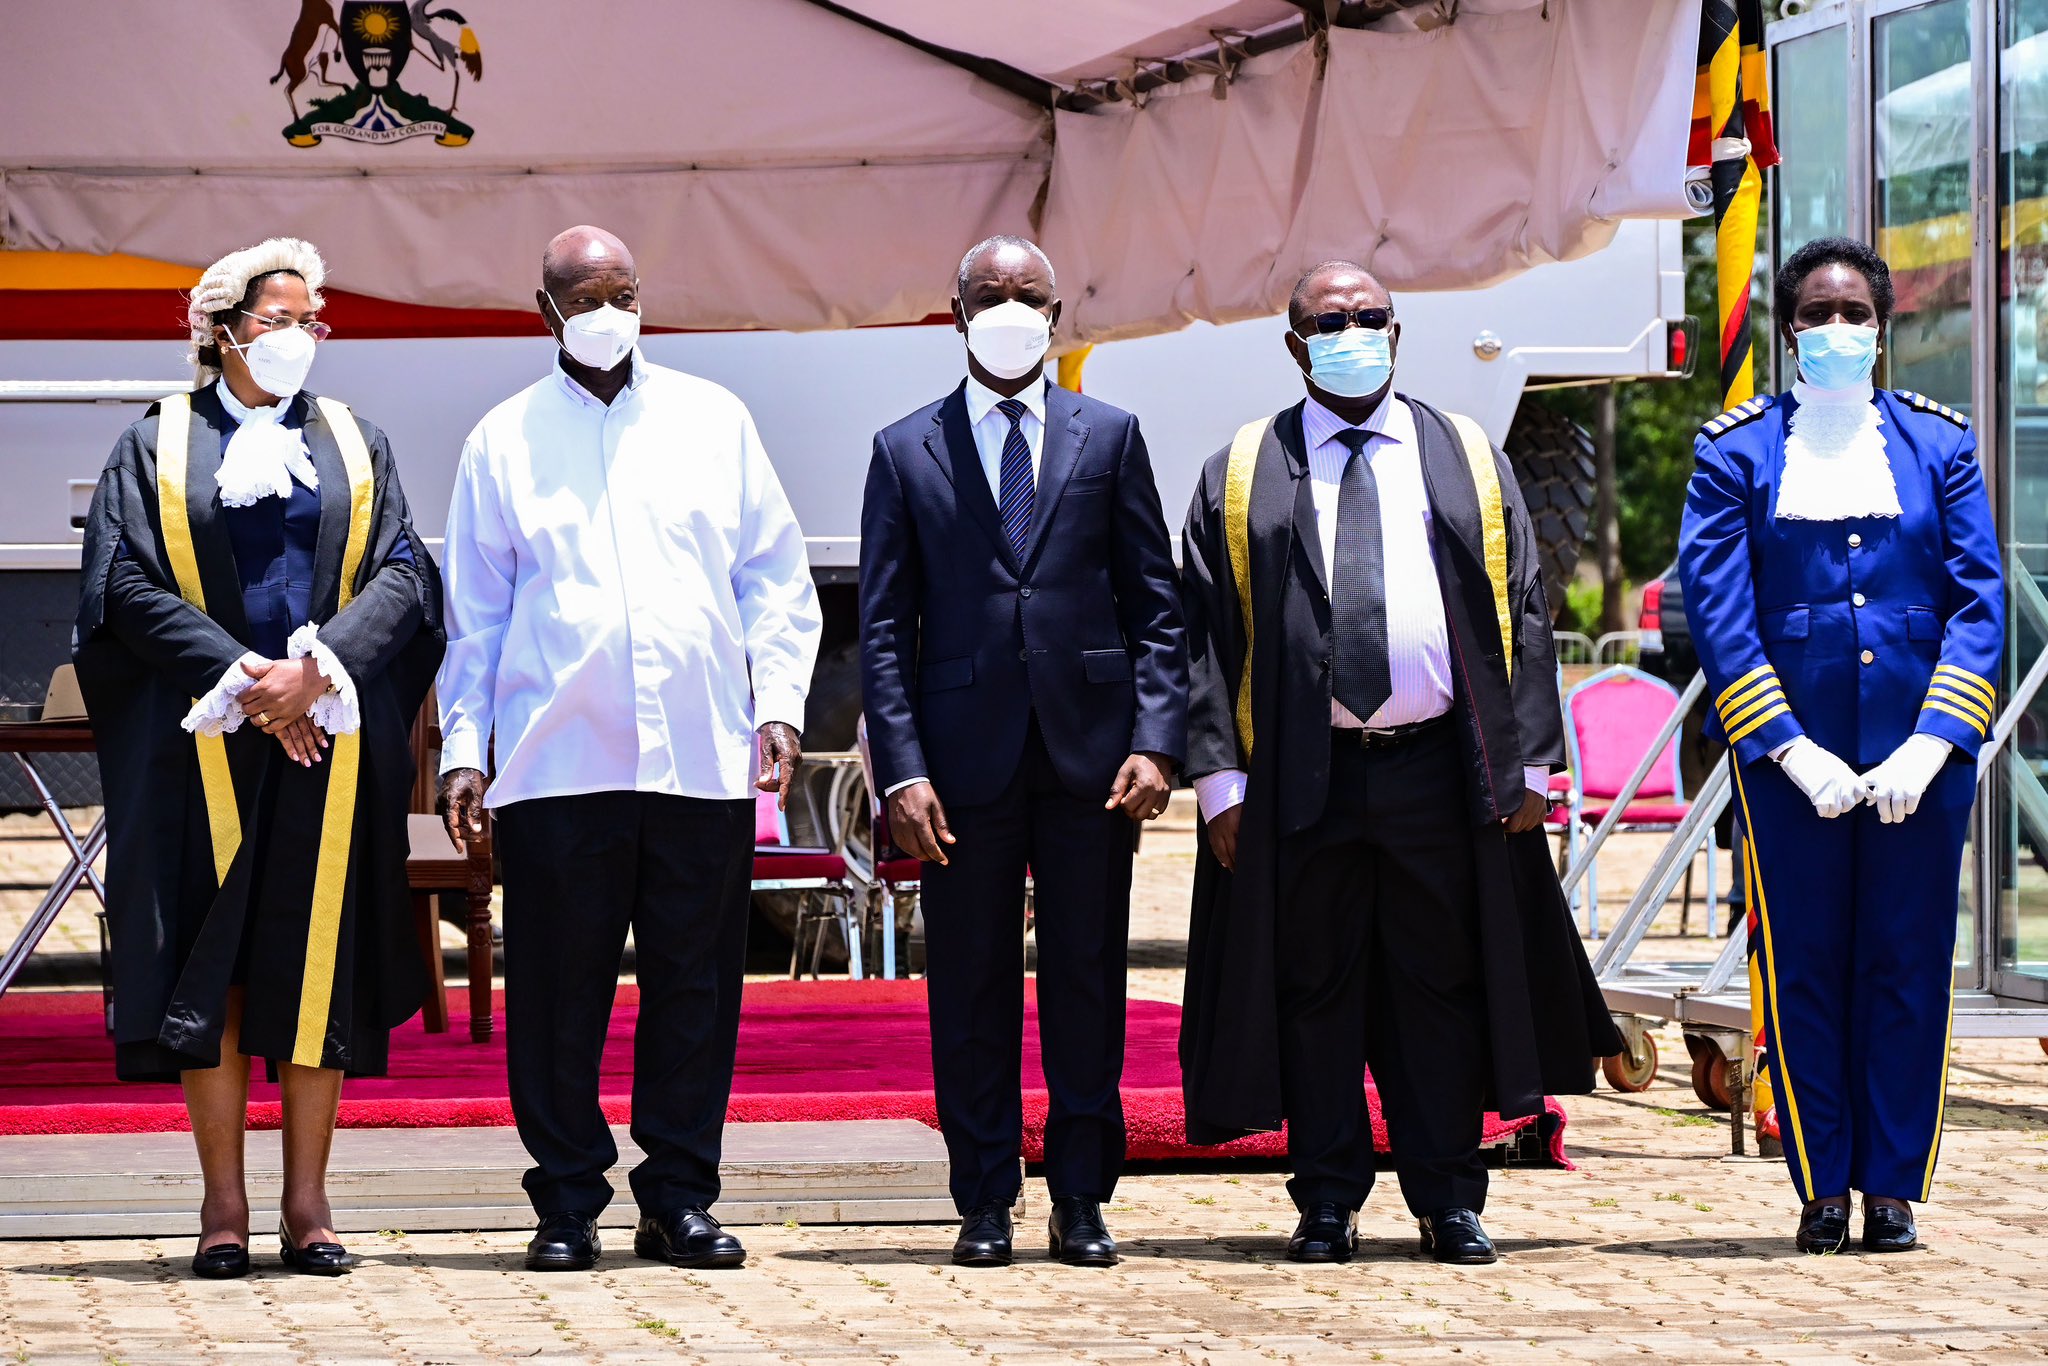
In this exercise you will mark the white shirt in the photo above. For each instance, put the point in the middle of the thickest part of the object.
(1418, 637)
(991, 429)
(1418, 641)
(628, 596)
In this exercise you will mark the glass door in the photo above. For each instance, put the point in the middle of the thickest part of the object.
(1810, 107)
(2020, 950)
(1923, 143)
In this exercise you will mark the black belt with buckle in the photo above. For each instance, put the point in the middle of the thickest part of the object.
(1392, 735)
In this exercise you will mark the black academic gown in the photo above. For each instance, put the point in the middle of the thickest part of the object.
(226, 861)
(1546, 1018)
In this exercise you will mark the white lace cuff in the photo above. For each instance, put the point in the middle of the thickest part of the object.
(335, 710)
(220, 711)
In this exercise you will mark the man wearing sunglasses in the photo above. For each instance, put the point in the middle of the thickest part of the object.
(1372, 724)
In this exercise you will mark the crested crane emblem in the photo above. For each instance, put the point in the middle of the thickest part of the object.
(359, 54)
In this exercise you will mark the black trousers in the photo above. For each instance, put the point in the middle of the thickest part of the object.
(1079, 857)
(579, 871)
(1379, 963)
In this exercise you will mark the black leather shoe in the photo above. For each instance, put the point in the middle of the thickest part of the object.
(687, 1237)
(1454, 1236)
(314, 1259)
(566, 1241)
(1888, 1228)
(984, 1237)
(1079, 1237)
(221, 1262)
(1327, 1233)
(1824, 1228)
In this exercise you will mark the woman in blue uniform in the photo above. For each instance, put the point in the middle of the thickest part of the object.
(1843, 579)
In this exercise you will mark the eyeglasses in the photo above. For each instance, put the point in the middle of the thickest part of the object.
(1371, 319)
(318, 331)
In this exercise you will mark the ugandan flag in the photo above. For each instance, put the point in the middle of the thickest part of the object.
(1732, 42)
(1731, 135)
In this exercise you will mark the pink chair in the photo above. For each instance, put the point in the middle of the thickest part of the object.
(1611, 718)
(819, 878)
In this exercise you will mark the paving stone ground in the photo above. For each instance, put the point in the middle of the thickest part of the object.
(1659, 1248)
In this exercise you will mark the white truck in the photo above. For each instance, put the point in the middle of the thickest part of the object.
(818, 398)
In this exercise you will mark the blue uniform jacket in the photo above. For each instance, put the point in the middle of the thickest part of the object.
(1858, 632)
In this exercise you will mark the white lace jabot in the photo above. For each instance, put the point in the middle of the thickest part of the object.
(1835, 462)
(263, 456)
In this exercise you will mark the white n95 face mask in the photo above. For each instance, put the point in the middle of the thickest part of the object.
(600, 338)
(279, 361)
(1009, 339)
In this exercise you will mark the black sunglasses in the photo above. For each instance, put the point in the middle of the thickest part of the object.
(1371, 319)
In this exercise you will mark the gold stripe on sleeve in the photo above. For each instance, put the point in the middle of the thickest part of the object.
(1779, 710)
(1948, 693)
(1932, 705)
(1970, 681)
(1739, 684)
(1747, 696)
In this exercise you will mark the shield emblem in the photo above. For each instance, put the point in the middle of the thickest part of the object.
(376, 38)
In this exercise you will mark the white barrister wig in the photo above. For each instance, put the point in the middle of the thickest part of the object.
(227, 280)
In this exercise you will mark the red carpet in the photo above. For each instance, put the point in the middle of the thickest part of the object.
(808, 1050)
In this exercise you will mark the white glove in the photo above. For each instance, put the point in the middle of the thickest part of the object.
(1831, 785)
(1897, 784)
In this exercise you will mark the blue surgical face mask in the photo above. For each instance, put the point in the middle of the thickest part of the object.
(1353, 363)
(1836, 355)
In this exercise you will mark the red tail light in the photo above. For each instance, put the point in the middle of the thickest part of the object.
(1652, 618)
(1681, 345)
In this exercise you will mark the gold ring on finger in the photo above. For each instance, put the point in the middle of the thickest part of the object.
(262, 718)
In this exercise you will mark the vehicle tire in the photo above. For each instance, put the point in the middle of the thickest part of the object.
(834, 703)
(1552, 458)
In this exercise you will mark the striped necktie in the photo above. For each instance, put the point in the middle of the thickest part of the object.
(1017, 493)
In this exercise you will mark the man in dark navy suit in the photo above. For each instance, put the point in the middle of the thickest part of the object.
(1025, 679)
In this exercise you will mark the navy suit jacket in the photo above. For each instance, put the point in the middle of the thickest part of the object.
(962, 641)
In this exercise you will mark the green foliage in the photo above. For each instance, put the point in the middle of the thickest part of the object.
(1655, 421)
(1581, 610)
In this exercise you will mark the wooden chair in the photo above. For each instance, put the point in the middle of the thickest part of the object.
(433, 865)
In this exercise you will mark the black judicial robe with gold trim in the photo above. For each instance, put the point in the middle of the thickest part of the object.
(1547, 1020)
(223, 856)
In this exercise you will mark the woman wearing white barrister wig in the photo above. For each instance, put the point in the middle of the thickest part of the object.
(257, 627)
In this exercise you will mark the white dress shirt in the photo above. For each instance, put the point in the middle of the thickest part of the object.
(1418, 637)
(628, 596)
(991, 429)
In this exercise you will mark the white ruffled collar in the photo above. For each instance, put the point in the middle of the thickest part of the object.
(1836, 468)
(263, 455)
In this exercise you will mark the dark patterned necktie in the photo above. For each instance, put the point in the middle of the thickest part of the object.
(1018, 495)
(1358, 588)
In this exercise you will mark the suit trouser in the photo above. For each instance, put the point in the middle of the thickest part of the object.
(1857, 929)
(579, 871)
(1079, 857)
(1378, 962)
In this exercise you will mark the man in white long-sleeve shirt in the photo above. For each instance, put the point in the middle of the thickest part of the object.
(631, 615)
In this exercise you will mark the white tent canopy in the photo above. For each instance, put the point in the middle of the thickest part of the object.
(805, 164)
